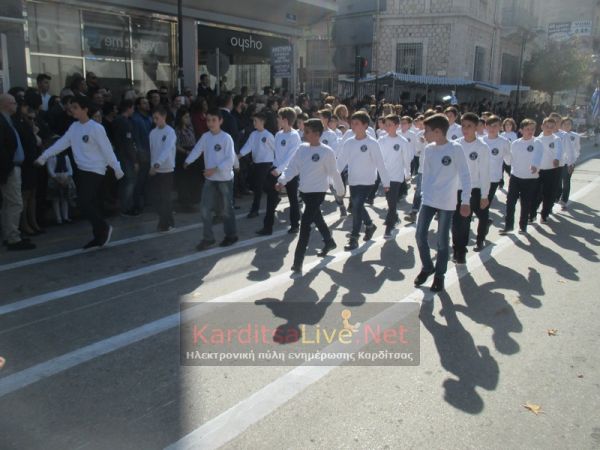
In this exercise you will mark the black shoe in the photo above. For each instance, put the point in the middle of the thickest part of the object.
(422, 277)
(460, 259)
(293, 230)
(204, 244)
(370, 201)
(252, 214)
(21, 245)
(544, 220)
(506, 231)
(228, 241)
(93, 243)
(351, 245)
(264, 232)
(437, 285)
(411, 218)
(369, 231)
(297, 268)
(388, 232)
(329, 245)
(523, 231)
(478, 247)
(343, 212)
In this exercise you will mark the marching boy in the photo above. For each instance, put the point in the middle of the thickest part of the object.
(397, 157)
(571, 151)
(219, 160)
(499, 152)
(477, 154)
(524, 160)
(315, 163)
(445, 172)
(92, 152)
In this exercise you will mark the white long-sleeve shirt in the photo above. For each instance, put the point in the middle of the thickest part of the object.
(286, 144)
(397, 156)
(364, 160)
(499, 150)
(571, 148)
(454, 132)
(411, 138)
(523, 155)
(218, 153)
(510, 135)
(330, 139)
(91, 148)
(163, 147)
(419, 147)
(445, 171)
(262, 146)
(316, 167)
(477, 154)
(552, 150)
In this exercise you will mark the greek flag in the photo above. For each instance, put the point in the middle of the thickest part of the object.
(595, 103)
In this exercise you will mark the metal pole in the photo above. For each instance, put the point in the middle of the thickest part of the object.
(356, 71)
(520, 74)
(180, 45)
(218, 70)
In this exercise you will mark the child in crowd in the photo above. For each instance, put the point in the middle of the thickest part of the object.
(61, 188)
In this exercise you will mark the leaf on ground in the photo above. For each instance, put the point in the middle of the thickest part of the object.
(580, 376)
(2, 362)
(552, 331)
(536, 409)
(562, 281)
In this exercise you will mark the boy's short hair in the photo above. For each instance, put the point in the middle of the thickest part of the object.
(125, 105)
(486, 114)
(470, 117)
(325, 113)
(492, 120)
(451, 109)
(419, 118)
(83, 102)
(393, 118)
(549, 119)
(215, 112)
(528, 122)
(303, 117)
(361, 116)
(406, 119)
(555, 116)
(161, 111)
(437, 122)
(565, 120)
(260, 115)
(314, 125)
(428, 113)
(511, 121)
(288, 114)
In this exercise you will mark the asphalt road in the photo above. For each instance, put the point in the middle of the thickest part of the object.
(92, 339)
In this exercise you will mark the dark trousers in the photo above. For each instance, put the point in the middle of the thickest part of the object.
(414, 166)
(373, 191)
(521, 189)
(392, 200)
(358, 196)
(89, 192)
(545, 194)
(461, 226)
(312, 214)
(260, 172)
(493, 188)
(163, 189)
(273, 199)
(139, 192)
(564, 187)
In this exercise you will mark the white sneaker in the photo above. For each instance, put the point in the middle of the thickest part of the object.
(108, 235)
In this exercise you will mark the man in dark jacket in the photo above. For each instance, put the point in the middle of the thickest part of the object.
(12, 156)
(122, 130)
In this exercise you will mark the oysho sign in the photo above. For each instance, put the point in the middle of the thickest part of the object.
(246, 43)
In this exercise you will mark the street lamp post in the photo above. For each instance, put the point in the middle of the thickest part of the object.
(180, 47)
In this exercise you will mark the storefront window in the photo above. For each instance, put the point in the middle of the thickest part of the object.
(122, 50)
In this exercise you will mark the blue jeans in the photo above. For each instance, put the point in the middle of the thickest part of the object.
(426, 214)
(211, 191)
(417, 198)
(358, 196)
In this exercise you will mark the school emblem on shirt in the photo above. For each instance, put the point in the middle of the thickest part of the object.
(164, 138)
(551, 145)
(454, 137)
(408, 139)
(315, 157)
(495, 151)
(473, 156)
(283, 143)
(217, 147)
(85, 138)
(325, 141)
(446, 160)
(530, 148)
(397, 147)
(264, 139)
(363, 148)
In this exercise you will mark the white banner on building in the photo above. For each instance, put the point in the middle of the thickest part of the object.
(563, 31)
